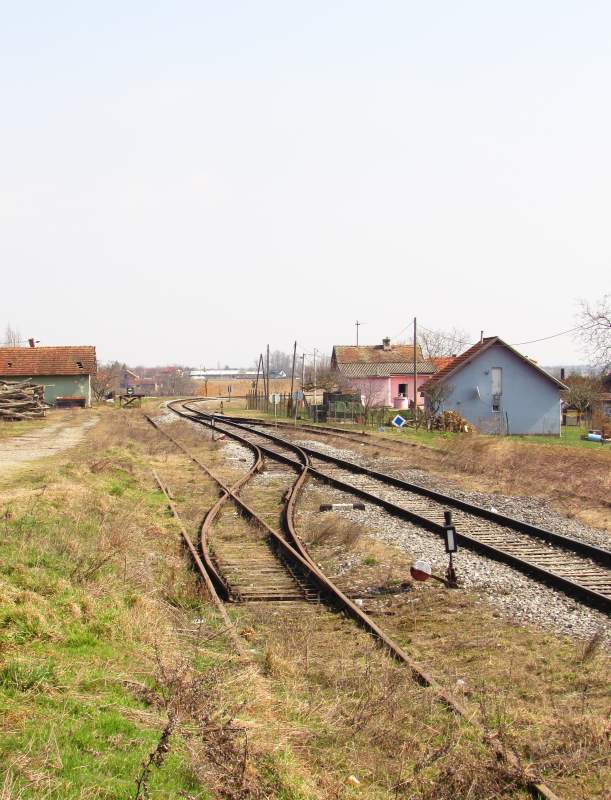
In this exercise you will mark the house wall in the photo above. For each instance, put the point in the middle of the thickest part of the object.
(376, 391)
(529, 401)
(63, 386)
(409, 380)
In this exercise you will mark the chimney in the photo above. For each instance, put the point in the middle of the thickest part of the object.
(481, 336)
(386, 344)
(31, 342)
(561, 373)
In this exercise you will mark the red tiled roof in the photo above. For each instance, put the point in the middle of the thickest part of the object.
(442, 361)
(375, 354)
(25, 362)
(456, 362)
(469, 354)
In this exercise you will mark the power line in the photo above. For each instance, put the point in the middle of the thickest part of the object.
(554, 335)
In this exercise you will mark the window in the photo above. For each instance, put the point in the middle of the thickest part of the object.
(496, 387)
(403, 389)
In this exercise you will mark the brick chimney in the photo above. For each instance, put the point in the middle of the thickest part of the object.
(32, 342)
(386, 344)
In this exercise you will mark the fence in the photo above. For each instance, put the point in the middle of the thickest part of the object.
(338, 411)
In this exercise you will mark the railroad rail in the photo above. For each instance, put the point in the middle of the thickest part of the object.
(563, 562)
(292, 553)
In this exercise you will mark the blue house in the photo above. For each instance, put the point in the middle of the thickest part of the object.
(498, 390)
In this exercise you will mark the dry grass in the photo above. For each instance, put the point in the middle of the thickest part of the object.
(579, 481)
(336, 530)
(361, 715)
(113, 667)
(544, 695)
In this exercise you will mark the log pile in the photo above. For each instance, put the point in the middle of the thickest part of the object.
(452, 421)
(21, 400)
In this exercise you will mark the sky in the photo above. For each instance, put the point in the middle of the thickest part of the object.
(185, 182)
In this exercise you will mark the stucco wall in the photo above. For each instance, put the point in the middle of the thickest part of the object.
(375, 391)
(409, 380)
(64, 386)
(530, 403)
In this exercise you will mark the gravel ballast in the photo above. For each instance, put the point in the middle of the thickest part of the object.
(516, 596)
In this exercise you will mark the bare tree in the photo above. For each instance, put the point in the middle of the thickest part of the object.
(12, 337)
(438, 344)
(279, 361)
(595, 331)
(106, 380)
(582, 394)
(436, 393)
(177, 381)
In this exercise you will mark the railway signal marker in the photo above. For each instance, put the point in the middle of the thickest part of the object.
(421, 570)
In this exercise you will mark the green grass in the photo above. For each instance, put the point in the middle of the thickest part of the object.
(570, 437)
(68, 726)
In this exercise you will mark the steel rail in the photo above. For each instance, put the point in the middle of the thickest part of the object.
(340, 601)
(585, 594)
(598, 554)
(202, 569)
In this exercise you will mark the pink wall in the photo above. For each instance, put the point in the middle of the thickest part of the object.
(409, 380)
(376, 391)
(382, 391)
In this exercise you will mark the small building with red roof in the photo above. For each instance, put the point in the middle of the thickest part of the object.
(65, 372)
(497, 389)
(382, 373)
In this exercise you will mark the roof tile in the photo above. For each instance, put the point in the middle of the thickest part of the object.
(25, 362)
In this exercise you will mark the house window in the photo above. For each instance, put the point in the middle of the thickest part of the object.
(403, 389)
(496, 387)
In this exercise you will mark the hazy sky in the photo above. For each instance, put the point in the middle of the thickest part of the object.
(187, 181)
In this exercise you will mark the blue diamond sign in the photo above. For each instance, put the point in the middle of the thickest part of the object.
(398, 421)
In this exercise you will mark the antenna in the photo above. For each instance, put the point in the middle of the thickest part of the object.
(358, 325)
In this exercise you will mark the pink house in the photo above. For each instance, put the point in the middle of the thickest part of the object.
(383, 374)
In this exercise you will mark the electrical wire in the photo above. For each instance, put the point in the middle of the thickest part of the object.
(554, 335)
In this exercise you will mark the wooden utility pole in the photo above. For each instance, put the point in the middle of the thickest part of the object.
(315, 400)
(293, 376)
(267, 373)
(259, 367)
(415, 373)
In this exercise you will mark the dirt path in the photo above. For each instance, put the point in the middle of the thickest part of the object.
(58, 435)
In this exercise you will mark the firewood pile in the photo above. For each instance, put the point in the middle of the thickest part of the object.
(21, 400)
(452, 421)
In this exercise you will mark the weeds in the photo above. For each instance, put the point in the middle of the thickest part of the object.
(338, 531)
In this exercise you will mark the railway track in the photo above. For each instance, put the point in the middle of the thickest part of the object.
(243, 570)
(575, 567)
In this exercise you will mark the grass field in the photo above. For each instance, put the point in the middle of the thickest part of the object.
(570, 436)
(114, 668)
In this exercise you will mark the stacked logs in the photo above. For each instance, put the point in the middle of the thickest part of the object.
(21, 400)
(452, 421)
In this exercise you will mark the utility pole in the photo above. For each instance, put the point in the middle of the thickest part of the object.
(303, 355)
(259, 364)
(292, 378)
(415, 374)
(267, 373)
(315, 400)
(357, 331)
